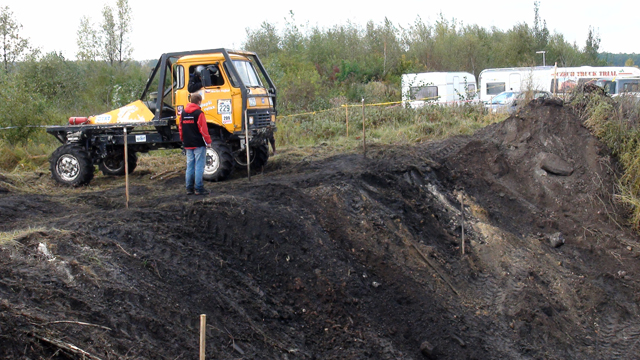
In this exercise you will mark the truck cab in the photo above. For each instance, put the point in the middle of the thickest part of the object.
(220, 89)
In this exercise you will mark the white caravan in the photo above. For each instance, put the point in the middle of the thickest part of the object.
(615, 79)
(494, 81)
(438, 88)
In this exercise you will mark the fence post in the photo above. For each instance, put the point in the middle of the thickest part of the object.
(203, 335)
(126, 166)
(364, 133)
(346, 109)
(462, 220)
(246, 143)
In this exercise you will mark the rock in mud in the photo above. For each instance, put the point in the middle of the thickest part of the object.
(428, 350)
(555, 165)
(556, 240)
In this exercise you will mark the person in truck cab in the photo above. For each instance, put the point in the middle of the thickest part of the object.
(195, 79)
(204, 76)
(195, 140)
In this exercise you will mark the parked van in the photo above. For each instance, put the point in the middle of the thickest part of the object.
(438, 87)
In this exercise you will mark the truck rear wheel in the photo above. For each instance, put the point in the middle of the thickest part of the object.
(71, 165)
(258, 155)
(219, 163)
(113, 164)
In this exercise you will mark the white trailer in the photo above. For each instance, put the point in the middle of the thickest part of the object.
(494, 81)
(438, 88)
(614, 79)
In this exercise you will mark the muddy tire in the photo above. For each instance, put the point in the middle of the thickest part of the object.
(259, 155)
(71, 165)
(219, 162)
(113, 164)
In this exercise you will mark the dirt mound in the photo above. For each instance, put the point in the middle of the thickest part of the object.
(542, 162)
(337, 258)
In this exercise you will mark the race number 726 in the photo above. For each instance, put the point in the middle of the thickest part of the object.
(224, 106)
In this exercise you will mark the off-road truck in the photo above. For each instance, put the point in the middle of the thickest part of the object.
(238, 100)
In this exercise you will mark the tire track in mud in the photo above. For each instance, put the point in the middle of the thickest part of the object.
(617, 340)
(442, 149)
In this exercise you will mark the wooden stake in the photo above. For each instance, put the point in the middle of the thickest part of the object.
(462, 220)
(555, 78)
(126, 166)
(203, 335)
(346, 109)
(246, 141)
(364, 134)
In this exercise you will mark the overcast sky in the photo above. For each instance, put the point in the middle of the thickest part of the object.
(163, 26)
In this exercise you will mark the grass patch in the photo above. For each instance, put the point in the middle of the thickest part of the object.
(31, 155)
(392, 125)
(12, 237)
(616, 122)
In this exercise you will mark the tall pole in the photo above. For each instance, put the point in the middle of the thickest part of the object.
(544, 60)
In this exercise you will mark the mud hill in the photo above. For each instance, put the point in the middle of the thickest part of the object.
(339, 258)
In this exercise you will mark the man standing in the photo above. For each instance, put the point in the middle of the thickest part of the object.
(195, 140)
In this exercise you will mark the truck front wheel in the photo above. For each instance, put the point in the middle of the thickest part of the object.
(113, 164)
(219, 163)
(71, 165)
(258, 157)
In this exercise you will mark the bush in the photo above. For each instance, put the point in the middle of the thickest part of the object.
(615, 123)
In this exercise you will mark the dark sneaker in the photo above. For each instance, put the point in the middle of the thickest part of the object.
(189, 191)
(202, 192)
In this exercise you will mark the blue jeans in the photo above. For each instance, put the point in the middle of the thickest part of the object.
(196, 159)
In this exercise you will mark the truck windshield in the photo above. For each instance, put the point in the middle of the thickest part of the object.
(247, 73)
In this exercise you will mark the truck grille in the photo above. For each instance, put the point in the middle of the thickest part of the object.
(261, 119)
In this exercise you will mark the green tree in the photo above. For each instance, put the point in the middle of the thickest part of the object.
(13, 45)
(264, 41)
(88, 41)
(110, 41)
(592, 46)
(540, 31)
(123, 29)
(108, 36)
(629, 62)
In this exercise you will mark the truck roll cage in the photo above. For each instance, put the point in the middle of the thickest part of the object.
(164, 66)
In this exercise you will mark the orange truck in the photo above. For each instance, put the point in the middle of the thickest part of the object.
(238, 100)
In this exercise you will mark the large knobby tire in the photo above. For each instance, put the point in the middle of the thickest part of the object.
(71, 165)
(113, 164)
(219, 162)
(258, 156)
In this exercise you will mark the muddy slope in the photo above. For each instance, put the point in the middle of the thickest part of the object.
(343, 258)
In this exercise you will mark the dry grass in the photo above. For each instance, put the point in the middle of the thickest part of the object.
(616, 123)
(12, 237)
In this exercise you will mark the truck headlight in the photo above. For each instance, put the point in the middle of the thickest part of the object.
(252, 101)
(250, 120)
